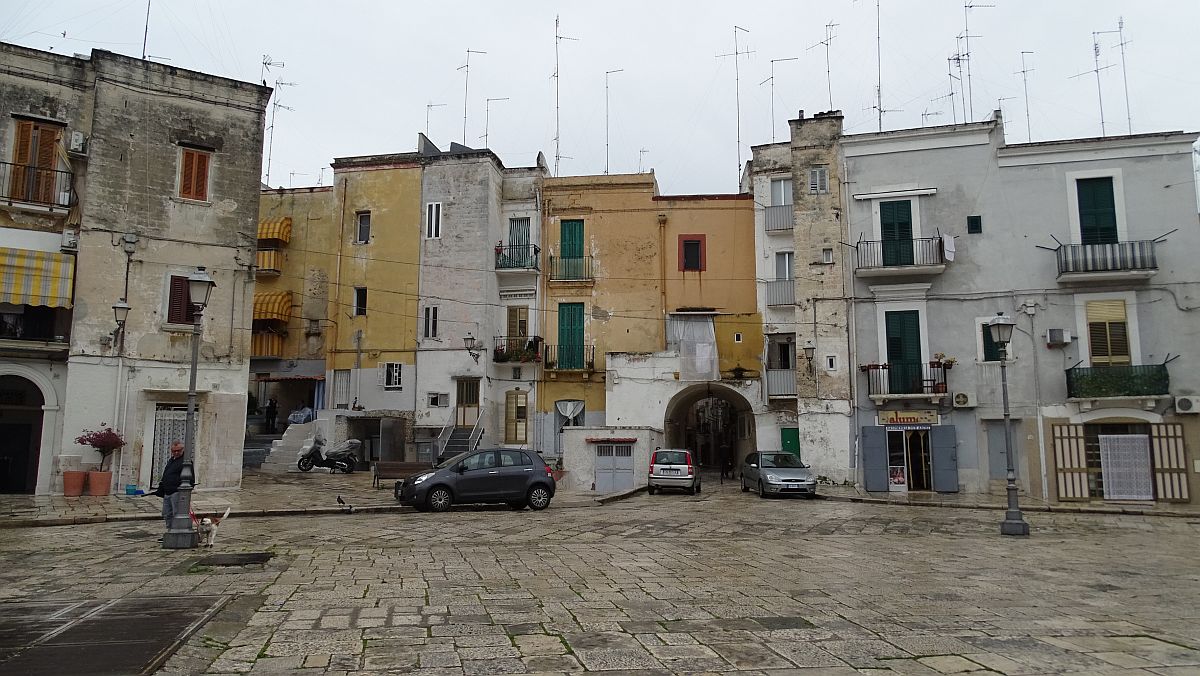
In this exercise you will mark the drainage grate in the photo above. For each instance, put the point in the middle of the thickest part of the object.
(242, 559)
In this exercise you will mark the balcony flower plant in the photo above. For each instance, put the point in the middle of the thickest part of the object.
(106, 441)
(940, 359)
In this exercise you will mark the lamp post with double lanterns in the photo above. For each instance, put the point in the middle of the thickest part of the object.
(181, 535)
(1001, 327)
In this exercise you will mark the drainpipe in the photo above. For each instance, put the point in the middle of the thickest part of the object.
(337, 273)
(662, 269)
(1031, 311)
(851, 329)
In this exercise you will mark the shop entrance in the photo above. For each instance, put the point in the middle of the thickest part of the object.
(20, 434)
(909, 460)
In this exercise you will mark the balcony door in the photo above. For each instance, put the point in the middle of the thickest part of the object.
(466, 402)
(570, 335)
(33, 179)
(896, 231)
(904, 351)
(1097, 210)
(571, 244)
(518, 242)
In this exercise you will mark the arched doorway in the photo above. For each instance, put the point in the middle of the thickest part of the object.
(713, 420)
(21, 404)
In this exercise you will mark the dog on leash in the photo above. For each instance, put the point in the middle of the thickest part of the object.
(208, 528)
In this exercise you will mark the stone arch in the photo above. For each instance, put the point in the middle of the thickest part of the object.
(682, 430)
(51, 422)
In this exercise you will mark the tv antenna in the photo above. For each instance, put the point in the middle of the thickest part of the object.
(292, 177)
(487, 107)
(1096, 68)
(878, 68)
(146, 32)
(275, 109)
(321, 176)
(926, 115)
(1000, 103)
(1124, 74)
(829, 36)
(466, 69)
(968, 5)
(606, 74)
(267, 64)
(558, 37)
(772, 81)
(641, 154)
(1025, 71)
(428, 107)
(737, 91)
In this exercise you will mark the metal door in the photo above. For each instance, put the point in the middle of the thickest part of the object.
(789, 440)
(944, 460)
(875, 457)
(997, 460)
(614, 468)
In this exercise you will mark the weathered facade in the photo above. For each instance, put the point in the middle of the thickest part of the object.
(133, 173)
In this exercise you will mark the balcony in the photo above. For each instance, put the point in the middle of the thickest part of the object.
(265, 345)
(569, 357)
(22, 184)
(269, 262)
(906, 380)
(1109, 382)
(519, 349)
(781, 382)
(900, 257)
(518, 257)
(34, 329)
(1099, 262)
(780, 218)
(781, 292)
(573, 269)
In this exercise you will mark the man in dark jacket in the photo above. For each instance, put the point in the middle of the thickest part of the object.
(272, 415)
(168, 486)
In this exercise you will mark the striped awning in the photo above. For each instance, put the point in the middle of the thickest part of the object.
(276, 228)
(30, 277)
(275, 305)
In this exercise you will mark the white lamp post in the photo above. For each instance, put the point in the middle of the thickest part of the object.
(1001, 327)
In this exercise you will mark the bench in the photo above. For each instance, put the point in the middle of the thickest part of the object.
(392, 469)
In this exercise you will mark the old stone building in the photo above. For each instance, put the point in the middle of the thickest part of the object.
(125, 175)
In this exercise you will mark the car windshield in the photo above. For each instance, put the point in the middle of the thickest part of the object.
(450, 461)
(670, 457)
(781, 460)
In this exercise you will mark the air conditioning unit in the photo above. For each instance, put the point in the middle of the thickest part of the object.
(1187, 404)
(964, 400)
(1058, 337)
(77, 143)
(70, 240)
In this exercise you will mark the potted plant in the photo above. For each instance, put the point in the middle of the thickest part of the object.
(105, 440)
(940, 359)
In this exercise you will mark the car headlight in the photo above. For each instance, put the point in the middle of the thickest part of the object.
(772, 478)
(422, 478)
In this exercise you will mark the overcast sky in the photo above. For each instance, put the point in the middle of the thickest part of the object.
(365, 71)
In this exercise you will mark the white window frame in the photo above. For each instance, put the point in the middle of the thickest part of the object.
(818, 179)
(391, 375)
(1118, 181)
(433, 220)
(360, 310)
(791, 268)
(789, 195)
(827, 256)
(358, 227)
(429, 319)
(831, 364)
(898, 298)
(437, 399)
(1010, 352)
(1131, 323)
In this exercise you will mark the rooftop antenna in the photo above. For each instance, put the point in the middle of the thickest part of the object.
(641, 154)
(292, 177)
(466, 68)
(926, 115)
(146, 32)
(321, 176)
(267, 64)
(487, 107)
(737, 91)
(957, 60)
(428, 106)
(829, 36)
(1124, 74)
(772, 81)
(878, 68)
(953, 112)
(1000, 103)
(950, 95)
(606, 74)
(274, 109)
(558, 37)
(968, 5)
(1025, 71)
(1096, 69)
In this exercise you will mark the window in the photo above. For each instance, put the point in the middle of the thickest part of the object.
(781, 191)
(784, 265)
(691, 253)
(390, 375)
(827, 256)
(991, 351)
(1108, 333)
(363, 233)
(431, 321)
(193, 174)
(478, 461)
(974, 225)
(433, 220)
(516, 373)
(35, 154)
(514, 459)
(341, 388)
(518, 323)
(818, 180)
(516, 416)
(1097, 210)
(439, 399)
(737, 337)
(830, 362)
(179, 303)
(360, 301)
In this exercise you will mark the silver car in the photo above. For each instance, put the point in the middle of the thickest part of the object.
(777, 473)
(673, 468)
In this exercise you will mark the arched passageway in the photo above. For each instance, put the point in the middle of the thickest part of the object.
(714, 421)
(20, 434)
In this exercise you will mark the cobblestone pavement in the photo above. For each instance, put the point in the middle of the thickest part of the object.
(723, 582)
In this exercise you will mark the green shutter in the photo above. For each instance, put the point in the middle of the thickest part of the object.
(571, 245)
(1097, 210)
(904, 351)
(570, 335)
(991, 351)
(895, 228)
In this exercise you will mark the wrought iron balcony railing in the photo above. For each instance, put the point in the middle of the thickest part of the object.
(518, 257)
(1118, 381)
(917, 379)
(570, 357)
(27, 184)
(892, 253)
(1114, 257)
(516, 349)
(570, 269)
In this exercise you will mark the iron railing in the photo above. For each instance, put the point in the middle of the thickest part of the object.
(914, 378)
(891, 253)
(23, 183)
(781, 382)
(35, 323)
(570, 269)
(518, 257)
(1113, 257)
(779, 217)
(781, 292)
(1118, 381)
(570, 357)
(516, 348)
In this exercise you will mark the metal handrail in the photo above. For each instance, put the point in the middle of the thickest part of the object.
(518, 257)
(779, 217)
(29, 184)
(575, 357)
(477, 430)
(572, 268)
(900, 252)
(1112, 257)
(917, 378)
(444, 435)
(1118, 381)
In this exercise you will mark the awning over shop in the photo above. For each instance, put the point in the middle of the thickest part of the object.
(275, 305)
(30, 277)
(284, 379)
(276, 228)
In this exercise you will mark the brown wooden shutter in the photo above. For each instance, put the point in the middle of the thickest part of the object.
(200, 180)
(179, 308)
(185, 180)
(1108, 333)
(22, 153)
(47, 160)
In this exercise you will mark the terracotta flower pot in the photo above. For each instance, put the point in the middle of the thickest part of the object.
(73, 483)
(99, 483)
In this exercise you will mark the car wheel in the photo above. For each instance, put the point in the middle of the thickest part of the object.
(761, 492)
(698, 486)
(439, 499)
(539, 498)
(745, 488)
(651, 490)
(346, 468)
(692, 489)
(304, 464)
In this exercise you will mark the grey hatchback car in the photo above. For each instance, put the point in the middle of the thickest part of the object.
(509, 476)
(777, 473)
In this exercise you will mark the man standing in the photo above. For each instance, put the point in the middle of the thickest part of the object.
(168, 486)
(272, 413)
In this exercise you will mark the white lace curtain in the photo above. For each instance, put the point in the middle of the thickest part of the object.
(696, 340)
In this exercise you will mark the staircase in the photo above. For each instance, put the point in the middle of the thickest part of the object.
(459, 442)
(281, 456)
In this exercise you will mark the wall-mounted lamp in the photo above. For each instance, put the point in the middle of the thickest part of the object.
(120, 313)
(810, 351)
(472, 348)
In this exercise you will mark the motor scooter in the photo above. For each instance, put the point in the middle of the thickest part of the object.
(341, 457)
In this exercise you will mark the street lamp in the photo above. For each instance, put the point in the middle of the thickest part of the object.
(472, 348)
(1001, 327)
(120, 313)
(810, 351)
(181, 535)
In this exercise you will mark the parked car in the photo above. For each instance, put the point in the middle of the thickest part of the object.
(496, 475)
(673, 468)
(777, 473)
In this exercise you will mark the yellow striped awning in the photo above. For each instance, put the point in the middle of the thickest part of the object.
(273, 305)
(276, 228)
(30, 277)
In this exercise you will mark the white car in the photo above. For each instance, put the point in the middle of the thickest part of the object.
(673, 468)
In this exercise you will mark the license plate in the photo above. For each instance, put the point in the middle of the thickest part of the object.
(670, 471)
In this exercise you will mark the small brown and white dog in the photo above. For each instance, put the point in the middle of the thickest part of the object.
(208, 528)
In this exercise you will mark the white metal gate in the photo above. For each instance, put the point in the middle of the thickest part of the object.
(170, 423)
(614, 468)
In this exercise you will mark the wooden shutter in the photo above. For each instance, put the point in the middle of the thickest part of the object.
(193, 179)
(23, 151)
(1108, 333)
(515, 417)
(179, 305)
(1097, 210)
(1070, 462)
(518, 322)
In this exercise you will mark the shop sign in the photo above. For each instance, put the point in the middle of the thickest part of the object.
(909, 417)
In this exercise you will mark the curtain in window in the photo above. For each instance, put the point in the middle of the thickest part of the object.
(696, 340)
